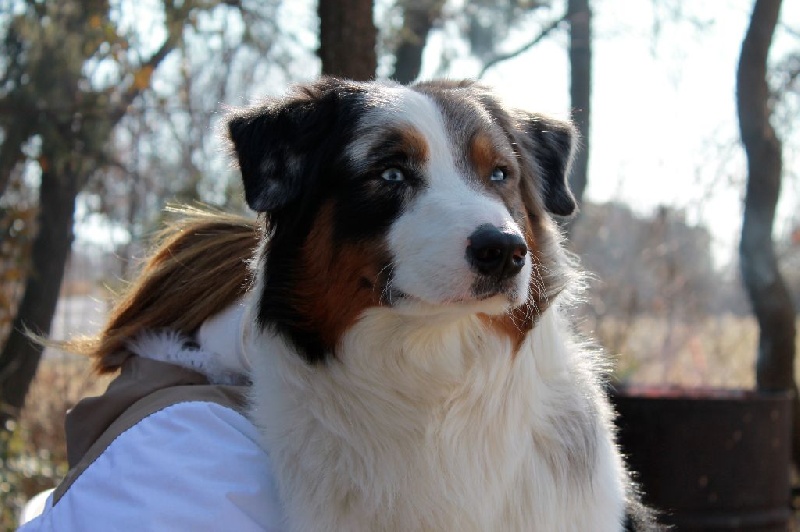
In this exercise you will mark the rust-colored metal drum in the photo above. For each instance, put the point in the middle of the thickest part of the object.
(710, 459)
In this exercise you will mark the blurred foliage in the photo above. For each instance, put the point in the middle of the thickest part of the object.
(656, 265)
(17, 221)
(26, 470)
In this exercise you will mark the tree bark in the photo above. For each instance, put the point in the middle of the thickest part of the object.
(347, 37)
(580, 66)
(769, 296)
(20, 355)
(418, 19)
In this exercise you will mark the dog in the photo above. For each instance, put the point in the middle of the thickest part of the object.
(404, 314)
(413, 368)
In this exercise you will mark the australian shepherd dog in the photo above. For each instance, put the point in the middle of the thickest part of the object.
(405, 287)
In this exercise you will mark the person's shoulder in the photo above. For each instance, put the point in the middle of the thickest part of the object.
(193, 465)
(197, 427)
(206, 417)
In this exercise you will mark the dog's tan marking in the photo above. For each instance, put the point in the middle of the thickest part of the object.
(414, 143)
(483, 154)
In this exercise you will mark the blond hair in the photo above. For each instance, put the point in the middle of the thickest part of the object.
(198, 267)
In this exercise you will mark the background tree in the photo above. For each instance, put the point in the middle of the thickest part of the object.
(579, 15)
(347, 39)
(769, 296)
(487, 21)
(70, 77)
(48, 47)
(419, 18)
(167, 147)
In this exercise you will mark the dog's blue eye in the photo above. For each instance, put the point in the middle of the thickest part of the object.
(498, 174)
(393, 174)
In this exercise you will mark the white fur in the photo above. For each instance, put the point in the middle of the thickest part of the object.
(428, 241)
(435, 425)
(174, 348)
(427, 418)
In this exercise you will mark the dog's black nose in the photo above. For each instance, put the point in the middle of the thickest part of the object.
(496, 253)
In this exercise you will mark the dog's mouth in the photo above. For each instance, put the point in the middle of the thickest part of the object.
(489, 302)
(488, 287)
(480, 294)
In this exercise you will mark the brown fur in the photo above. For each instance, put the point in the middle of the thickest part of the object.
(198, 267)
(337, 284)
(483, 154)
(414, 144)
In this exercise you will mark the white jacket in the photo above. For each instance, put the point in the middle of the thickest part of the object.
(165, 450)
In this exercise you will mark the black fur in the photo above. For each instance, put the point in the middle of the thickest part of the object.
(278, 144)
(554, 142)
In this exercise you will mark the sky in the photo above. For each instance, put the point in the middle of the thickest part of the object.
(664, 128)
(663, 123)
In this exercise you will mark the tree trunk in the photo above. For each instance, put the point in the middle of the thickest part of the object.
(20, 356)
(580, 91)
(71, 148)
(347, 38)
(770, 299)
(418, 19)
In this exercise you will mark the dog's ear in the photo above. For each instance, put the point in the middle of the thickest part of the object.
(273, 143)
(553, 145)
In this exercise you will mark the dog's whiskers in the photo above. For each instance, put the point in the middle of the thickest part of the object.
(386, 291)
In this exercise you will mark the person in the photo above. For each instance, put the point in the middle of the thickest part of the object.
(168, 446)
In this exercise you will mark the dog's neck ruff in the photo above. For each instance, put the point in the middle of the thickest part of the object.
(410, 369)
(216, 351)
(437, 424)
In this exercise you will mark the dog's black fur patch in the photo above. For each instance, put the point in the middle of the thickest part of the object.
(292, 158)
(554, 144)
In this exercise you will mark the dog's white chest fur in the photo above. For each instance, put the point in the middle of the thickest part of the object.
(431, 423)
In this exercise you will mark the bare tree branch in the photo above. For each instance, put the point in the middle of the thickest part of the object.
(146, 68)
(418, 20)
(499, 58)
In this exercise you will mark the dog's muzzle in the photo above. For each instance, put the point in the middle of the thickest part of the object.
(496, 253)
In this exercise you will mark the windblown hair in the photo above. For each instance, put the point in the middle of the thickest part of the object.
(199, 266)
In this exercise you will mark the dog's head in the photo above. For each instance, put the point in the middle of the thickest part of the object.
(426, 199)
